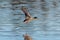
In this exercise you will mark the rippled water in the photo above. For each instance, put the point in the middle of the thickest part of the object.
(47, 27)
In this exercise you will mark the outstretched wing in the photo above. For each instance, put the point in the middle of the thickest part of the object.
(26, 12)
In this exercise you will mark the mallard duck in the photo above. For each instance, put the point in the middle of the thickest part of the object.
(28, 17)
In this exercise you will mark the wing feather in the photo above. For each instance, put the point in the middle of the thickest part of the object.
(26, 12)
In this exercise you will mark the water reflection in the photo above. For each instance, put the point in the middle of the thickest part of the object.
(44, 5)
(44, 28)
(54, 4)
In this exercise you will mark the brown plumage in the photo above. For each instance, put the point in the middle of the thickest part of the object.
(28, 17)
(27, 37)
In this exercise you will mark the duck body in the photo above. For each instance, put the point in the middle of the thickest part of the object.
(28, 20)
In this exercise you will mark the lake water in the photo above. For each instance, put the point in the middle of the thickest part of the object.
(47, 27)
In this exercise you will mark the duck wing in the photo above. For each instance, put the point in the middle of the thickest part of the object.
(26, 13)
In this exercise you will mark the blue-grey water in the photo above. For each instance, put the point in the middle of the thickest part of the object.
(47, 27)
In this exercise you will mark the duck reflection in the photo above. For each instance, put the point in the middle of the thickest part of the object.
(27, 37)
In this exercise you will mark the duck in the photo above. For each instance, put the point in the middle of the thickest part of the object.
(27, 37)
(28, 17)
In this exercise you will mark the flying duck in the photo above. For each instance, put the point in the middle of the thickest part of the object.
(28, 17)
